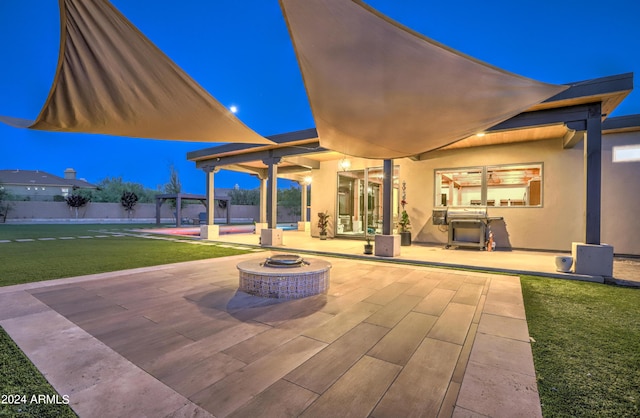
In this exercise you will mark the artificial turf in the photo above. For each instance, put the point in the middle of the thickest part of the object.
(24, 391)
(587, 347)
(36, 260)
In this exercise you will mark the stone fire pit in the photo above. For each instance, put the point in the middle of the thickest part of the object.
(284, 276)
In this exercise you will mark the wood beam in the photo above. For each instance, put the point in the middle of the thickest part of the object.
(310, 148)
(572, 138)
(305, 162)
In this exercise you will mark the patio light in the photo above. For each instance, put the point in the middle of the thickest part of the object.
(345, 164)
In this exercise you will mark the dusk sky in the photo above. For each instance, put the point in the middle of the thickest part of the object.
(240, 52)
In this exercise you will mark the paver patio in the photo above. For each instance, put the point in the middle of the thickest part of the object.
(180, 340)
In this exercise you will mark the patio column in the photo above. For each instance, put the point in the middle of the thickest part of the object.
(303, 203)
(178, 210)
(592, 257)
(263, 200)
(261, 222)
(303, 225)
(387, 245)
(159, 202)
(387, 197)
(593, 174)
(272, 235)
(210, 231)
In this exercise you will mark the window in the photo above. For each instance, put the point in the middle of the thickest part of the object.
(514, 185)
(459, 187)
(506, 186)
(626, 153)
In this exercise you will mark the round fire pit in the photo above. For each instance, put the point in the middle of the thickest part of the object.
(285, 260)
(284, 276)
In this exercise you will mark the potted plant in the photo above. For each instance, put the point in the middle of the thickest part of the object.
(323, 223)
(368, 247)
(404, 223)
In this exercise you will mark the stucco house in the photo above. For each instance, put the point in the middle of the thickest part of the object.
(40, 185)
(531, 176)
(544, 166)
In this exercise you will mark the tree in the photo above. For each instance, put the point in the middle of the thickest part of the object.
(174, 186)
(110, 189)
(76, 201)
(5, 205)
(290, 199)
(128, 201)
(245, 197)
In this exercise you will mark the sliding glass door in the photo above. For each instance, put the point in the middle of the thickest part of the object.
(360, 202)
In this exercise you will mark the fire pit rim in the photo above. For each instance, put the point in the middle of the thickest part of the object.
(284, 260)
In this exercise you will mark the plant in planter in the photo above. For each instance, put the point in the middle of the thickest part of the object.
(368, 247)
(404, 224)
(323, 223)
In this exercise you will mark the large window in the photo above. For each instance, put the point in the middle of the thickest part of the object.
(507, 185)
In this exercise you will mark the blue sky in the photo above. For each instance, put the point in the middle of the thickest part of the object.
(240, 52)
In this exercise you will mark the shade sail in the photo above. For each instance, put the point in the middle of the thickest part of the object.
(380, 90)
(112, 80)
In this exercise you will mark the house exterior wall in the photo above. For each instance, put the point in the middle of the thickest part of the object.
(37, 192)
(553, 226)
(558, 222)
(324, 195)
(621, 196)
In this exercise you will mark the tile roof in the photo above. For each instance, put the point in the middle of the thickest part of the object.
(39, 178)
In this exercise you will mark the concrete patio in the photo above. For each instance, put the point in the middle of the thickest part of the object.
(180, 341)
(626, 271)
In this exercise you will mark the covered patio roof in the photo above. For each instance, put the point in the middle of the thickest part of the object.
(302, 150)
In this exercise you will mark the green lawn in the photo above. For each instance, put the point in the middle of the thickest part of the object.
(587, 347)
(25, 262)
(18, 231)
(20, 381)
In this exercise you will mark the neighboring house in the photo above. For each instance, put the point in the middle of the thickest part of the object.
(40, 185)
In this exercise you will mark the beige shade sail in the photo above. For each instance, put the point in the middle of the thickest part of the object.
(380, 90)
(112, 80)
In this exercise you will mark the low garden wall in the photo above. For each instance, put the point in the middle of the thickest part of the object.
(34, 211)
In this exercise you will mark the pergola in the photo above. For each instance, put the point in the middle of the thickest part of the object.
(180, 197)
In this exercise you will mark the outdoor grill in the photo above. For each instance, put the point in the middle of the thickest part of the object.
(467, 225)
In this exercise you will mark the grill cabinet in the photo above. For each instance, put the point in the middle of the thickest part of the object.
(467, 225)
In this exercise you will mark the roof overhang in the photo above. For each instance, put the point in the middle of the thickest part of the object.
(561, 116)
(558, 117)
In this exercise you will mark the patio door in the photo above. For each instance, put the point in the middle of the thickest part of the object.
(360, 202)
(351, 204)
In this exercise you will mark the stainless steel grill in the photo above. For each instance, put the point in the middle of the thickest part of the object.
(467, 225)
(475, 212)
